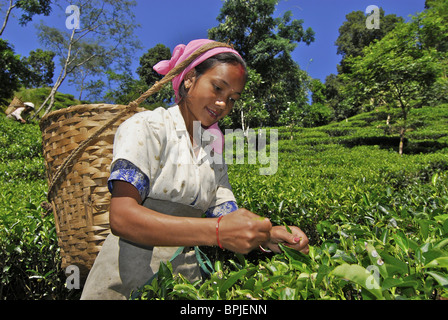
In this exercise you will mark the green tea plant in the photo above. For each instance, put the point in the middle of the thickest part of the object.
(398, 254)
(29, 252)
(377, 221)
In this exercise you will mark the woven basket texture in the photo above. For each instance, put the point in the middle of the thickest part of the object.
(80, 198)
(15, 103)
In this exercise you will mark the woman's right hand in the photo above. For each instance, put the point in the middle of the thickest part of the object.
(243, 231)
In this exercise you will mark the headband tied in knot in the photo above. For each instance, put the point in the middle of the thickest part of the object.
(165, 66)
(180, 53)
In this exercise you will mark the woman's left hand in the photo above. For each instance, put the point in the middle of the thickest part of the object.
(296, 240)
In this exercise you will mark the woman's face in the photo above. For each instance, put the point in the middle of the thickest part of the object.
(212, 96)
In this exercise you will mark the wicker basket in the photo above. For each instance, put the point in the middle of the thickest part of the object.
(77, 147)
(80, 198)
(15, 103)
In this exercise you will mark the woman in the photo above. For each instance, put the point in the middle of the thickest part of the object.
(162, 183)
(20, 112)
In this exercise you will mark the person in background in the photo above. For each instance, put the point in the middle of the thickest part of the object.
(20, 112)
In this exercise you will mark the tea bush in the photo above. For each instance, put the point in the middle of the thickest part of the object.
(29, 253)
(377, 221)
(29, 249)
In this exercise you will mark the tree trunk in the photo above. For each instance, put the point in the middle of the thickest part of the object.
(8, 13)
(41, 107)
(52, 95)
(242, 121)
(400, 147)
(403, 129)
(58, 83)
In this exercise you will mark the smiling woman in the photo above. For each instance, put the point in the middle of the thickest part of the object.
(158, 202)
(212, 95)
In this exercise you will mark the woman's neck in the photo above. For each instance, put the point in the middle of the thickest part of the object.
(188, 118)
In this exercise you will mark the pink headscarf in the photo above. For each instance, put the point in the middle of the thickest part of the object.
(180, 53)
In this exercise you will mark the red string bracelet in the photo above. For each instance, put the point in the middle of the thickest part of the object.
(217, 232)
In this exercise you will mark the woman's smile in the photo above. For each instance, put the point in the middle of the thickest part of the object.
(213, 114)
(212, 95)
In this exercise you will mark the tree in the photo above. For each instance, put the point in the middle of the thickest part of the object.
(266, 44)
(40, 67)
(149, 60)
(94, 91)
(317, 114)
(317, 89)
(10, 73)
(248, 112)
(29, 9)
(105, 34)
(334, 98)
(93, 67)
(149, 76)
(123, 88)
(291, 118)
(434, 34)
(354, 36)
(397, 70)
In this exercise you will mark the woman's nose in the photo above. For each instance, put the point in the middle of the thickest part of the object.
(220, 103)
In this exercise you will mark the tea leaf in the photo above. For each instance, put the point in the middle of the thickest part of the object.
(231, 281)
(441, 262)
(440, 278)
(295, 255)
(360, 276)
(401, 240)
(287, 228)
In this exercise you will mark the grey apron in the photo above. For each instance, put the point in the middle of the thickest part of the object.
(122, 267)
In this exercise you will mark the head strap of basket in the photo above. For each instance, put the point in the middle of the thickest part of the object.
(134, 105)
(78, 151)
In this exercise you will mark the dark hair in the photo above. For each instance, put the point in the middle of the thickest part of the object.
(226, 57)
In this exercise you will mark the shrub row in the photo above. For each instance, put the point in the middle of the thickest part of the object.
(29, 252)
(377, 222)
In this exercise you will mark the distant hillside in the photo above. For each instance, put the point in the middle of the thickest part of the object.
(427, 126)
(427, 132)
(38, 96)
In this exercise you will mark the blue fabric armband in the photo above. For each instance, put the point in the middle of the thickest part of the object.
(221, 210)
(124, 170)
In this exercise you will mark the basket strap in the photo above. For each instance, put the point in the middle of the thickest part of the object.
(133, 106)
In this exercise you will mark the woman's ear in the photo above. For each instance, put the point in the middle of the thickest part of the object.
(189, 79)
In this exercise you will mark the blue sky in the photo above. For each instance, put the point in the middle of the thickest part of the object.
(171, 22)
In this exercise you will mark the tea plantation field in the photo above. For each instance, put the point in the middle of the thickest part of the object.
(377, 221)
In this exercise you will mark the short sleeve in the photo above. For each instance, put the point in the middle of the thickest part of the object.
(123, 170)
(222, 209)
(224, 201)
(224, 193)
(137, 141)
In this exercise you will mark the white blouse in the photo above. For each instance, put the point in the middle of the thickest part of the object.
(153, 151)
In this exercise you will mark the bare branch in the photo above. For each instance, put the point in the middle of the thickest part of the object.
(8, 13)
